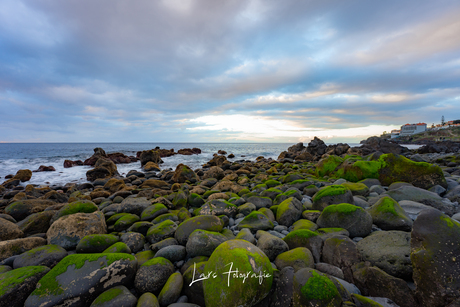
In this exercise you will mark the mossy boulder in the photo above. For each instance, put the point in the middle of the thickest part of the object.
(218, 207)
(167, 216)
(289, 211)
(304, 224)
(388, 215)
(331, 195)
(95, 243)
(260, 202)
(389, 168)
(47, 255)
(118, 247)
(9, 230)
(271, 245)
(224, 290)
(246, 208)
(180, 200)
(148, 300)
(313, 288)
(153, 211)
(389, 251)
(16, 285)
(133, 205)
(362, 301)
(256, 221)
(68, 230)
(79, 206)
(195, 200)
(82, 277)
(161, 231)
(272, 193)
(203, 243)
(374, 282)
(288, 194)
(19, 210)
(184, 173)
(357, 188)
(192, 288)
(305, 238)
(435, 250)
(18, 246)
(204, 222)
(125, 222)
(246, 234)
(297, 258)
(116, 296)
(328, 165)
(171, 290)
(36, 223)
(354, 219)
(144, 256)
(153, 274)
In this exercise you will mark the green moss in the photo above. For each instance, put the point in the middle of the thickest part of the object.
(328, 165)
(352, 186)
(11, 279)
(386, 205)
(107, 296)
(157, 261)
(331, 190)
(80, 206)
(272, 183)
(449, 222)
(48, 285)
(319, 287)
(365, 300)
(329, 230)
(344, 209)
(114, 218)
(301, 233)
(209, 193)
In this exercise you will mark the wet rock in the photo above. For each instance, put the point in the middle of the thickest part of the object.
(9, 230)
(18, 246)
(153, 274)
(47, 255)
(116, 296)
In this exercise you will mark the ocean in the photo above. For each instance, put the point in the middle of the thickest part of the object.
(16, 156)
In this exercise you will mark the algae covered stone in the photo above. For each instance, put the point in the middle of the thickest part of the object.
(116, 296)
(96, 243)
(161, 231)
(388, 215)
(354, 219)
(79, 206)
(305, 238)
(297, 258)
(153, 274)
(313, 288)
(205, 222)
(16, 285)
(171, 290)
(81, 278)
(331, 195)
(289, 211)
(203, 243)
(256, 221)
(46, 255)
(226, 287)
(435, 250)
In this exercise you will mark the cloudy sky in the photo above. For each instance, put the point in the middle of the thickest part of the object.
(224, 71)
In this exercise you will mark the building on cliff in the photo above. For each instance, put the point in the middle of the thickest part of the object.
(410, 129)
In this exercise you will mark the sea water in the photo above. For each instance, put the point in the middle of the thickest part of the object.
(16, 156)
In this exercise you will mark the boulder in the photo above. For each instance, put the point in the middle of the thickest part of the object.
(19, 210)
(289, 211)
(153, 274)
(272, 246)
(133, 205)
(22, 175)
(104, 168)
(218, 207)
(9, 230)
(227, 291)
(16, 285)
(374, 282)
(331, 195)
(297, 258)
(305, 238)
(387, 214)
(150, 156)
(173, 253)
(435, 246)
(352, 218)
(214, 172)
(183, 173)
(18, 246)
(389, 251)
(256, 221)
(171, 290)
(47, 255)
(203, 243)
(161, 231)
(37, 222)
(77, 280)
(204, 222)
(96, 243)
(116, 296)
(68, 230)
(313, 288)
(343, 253)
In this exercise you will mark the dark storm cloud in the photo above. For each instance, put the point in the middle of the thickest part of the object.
(153, 70)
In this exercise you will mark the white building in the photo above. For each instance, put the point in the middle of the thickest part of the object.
(410, 129)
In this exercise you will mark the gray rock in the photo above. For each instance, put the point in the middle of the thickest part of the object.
(412, 208)
(246, 234)
(203, 243)
(389, 251)
(354, 219)
(153, 274)
(271, 245)
(47, 255)
(329, 269)
(134, 205)
(9, 230)
(171, 290)
(134, 240)
(282, 295)
(15, 247)
(289, 211)
(173, 253)
(118, 296)
(377, 189)
(342, 252)
(358, 201)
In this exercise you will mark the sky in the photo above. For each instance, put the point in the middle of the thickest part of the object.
(225, 71)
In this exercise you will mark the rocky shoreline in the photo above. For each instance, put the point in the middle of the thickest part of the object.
(375, 225)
